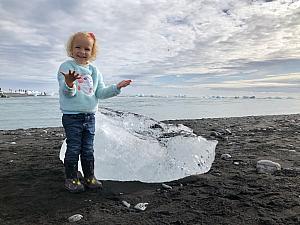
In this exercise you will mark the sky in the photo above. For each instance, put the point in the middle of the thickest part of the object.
(178, 47)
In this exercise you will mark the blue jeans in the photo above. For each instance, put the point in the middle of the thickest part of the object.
(80, 132)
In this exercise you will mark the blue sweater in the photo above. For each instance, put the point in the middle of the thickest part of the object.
(83, 96)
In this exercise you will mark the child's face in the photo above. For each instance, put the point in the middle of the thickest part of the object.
(82, 49)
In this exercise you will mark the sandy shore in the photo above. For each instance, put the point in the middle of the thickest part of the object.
(232, 192)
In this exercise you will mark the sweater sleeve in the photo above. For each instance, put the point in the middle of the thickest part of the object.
(102, 91)
(63, 87)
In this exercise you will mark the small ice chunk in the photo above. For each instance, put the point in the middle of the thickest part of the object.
(75, 218)
(267, 166)
(13, 143)
(141, 206)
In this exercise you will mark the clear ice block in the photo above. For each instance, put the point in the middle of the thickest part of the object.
(132, 147)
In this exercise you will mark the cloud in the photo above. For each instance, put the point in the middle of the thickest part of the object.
(180, 43)
(271, 83)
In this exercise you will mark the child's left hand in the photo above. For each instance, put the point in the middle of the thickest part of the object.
(123, 83)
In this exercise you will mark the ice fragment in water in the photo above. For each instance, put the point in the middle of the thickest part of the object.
(129, 146)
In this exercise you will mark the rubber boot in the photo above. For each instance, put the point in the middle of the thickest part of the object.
(88, 171)
(72, 182)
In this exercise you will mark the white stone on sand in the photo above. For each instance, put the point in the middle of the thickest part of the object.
(267, 166)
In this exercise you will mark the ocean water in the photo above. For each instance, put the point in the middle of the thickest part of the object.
(43, 111)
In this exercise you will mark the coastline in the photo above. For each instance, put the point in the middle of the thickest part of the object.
(16, 95)
(232, 192)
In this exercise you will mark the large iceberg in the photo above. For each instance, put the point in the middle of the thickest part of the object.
(132, 147)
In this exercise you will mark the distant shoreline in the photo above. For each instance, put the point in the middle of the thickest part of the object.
(11, 94)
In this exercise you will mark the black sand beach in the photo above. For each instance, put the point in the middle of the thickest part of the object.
(232, 192)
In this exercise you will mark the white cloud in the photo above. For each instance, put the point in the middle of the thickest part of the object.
(152, 38)
(270, 81)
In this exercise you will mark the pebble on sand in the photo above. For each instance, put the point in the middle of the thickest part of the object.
(228, 131)
(75, 218)
(226, 156)
(267, 166)
(165, 186)
(127, 204)
(141, 206)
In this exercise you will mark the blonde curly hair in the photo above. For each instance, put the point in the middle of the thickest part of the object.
(70, 43)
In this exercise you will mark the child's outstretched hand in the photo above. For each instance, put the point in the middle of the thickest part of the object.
(123, 83)
(70, 77)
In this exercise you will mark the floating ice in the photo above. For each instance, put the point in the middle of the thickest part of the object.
(129, 146)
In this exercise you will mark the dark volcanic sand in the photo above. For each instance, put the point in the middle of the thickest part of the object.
(32, 192)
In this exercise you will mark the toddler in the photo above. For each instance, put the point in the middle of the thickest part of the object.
(80, 87)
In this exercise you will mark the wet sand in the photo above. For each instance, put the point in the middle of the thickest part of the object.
(232, 192)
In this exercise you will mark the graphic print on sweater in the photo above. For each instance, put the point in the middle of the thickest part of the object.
(85, 84)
